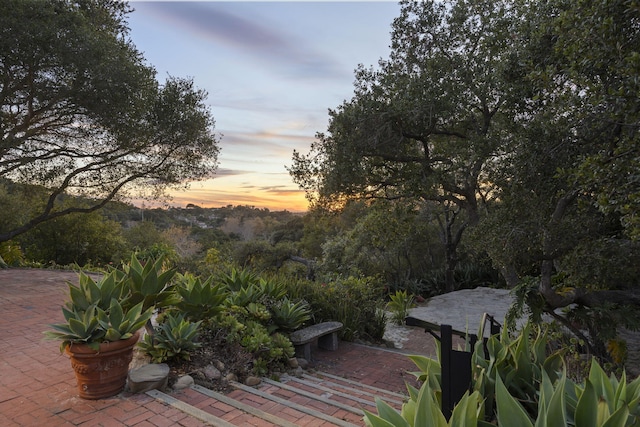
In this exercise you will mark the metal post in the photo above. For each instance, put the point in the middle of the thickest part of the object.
(455, 370)
(446, 343)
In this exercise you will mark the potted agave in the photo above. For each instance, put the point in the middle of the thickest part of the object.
(103, 323)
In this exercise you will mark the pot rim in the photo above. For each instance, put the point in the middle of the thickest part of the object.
(82, 348)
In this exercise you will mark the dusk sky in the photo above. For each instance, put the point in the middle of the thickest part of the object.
(272, 70)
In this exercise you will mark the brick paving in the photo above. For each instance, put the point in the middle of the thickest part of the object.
(37, 384)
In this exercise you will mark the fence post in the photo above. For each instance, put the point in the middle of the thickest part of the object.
(455, 370)
(455, 365)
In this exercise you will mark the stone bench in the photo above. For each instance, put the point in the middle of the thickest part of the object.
(326, 333)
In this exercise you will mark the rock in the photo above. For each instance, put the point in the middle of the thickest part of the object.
(293, 363)
(252, 381)
(389, 344)
(148, 377)
(299, 372)
(212, 373)
(231, 377)
(219, 365)
(303, 363)
(183, 382)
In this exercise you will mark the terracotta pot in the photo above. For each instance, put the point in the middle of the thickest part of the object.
(102, 373)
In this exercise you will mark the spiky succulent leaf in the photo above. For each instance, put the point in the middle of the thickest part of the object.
(428, 412)
(587, 408)
(386, 412)
(602, 384)
(115, 314)
(618, 418)
(112, 335)
(509, 411)
(373, 420)
(556, 414)
(78, 297)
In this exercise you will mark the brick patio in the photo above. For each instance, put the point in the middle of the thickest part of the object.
(37, 384)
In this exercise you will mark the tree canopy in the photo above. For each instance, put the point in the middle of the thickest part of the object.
(422, 125)
(82, 113)
(520, 120)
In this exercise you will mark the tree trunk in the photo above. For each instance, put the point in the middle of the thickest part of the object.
(309, 263)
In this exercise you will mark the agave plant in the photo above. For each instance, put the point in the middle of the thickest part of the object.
(200, 300)
(94, 313)
(519, 361)
(550, 399)
(600, 401)
(289, 315)
(244, 296)
(174, 338)
(423, 410)
(273, 289)
(149, 283)
(95, 293)
(238, 279)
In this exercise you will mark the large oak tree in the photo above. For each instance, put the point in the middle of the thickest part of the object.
(521, 120)
(423, 125)
(82, 114)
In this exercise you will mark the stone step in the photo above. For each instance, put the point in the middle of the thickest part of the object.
(296, 406)
(244, 407)
(189, 409)
(318, 399)
(354, 388)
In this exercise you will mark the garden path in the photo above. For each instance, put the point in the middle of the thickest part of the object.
(37, 384)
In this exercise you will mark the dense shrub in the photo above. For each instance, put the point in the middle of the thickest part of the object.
(235, 309)
(11, 253)
(356, 302)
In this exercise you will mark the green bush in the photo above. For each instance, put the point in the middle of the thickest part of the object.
(10, 253)
(399, 306)
(356, 302)
(254, 311)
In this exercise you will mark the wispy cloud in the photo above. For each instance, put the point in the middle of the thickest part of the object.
(276, 49)
(223, 172)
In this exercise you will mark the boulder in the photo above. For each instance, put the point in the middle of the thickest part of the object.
(302, 363)
(148, 377)
(252, 381)
(212, 373)
(183, 382)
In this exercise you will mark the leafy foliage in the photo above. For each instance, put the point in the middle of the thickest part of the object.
(10, 254)
(199, 300)
(399, 306)
(552, 399)
(173, 339)
(95, 314)
(80, 101)
(289, 316)
(355, 302)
